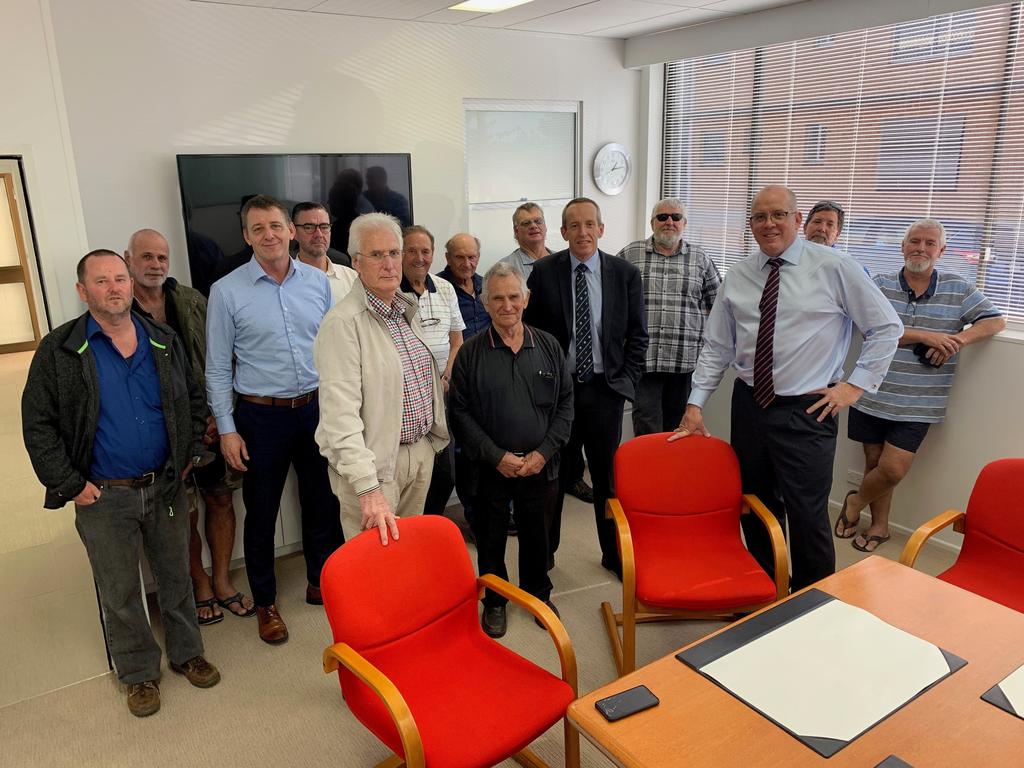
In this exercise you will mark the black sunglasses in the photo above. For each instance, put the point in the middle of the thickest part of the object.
(667, 216)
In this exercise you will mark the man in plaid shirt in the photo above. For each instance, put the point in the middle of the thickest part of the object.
(680, 285)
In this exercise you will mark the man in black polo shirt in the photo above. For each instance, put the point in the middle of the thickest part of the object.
(511, 411)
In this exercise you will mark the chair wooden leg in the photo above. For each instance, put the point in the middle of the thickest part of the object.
(572, 745)
(392, 762)
(528, 759)
(628, 638)
(611, 623)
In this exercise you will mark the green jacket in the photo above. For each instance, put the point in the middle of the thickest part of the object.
(60, 406)
(190, 305)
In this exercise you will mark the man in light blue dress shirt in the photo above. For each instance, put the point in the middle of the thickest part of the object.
(262, 320)
(785, 442)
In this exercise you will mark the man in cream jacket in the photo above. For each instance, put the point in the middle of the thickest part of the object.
(381, 399)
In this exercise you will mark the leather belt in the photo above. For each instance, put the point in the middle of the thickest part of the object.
(130, 482)
(282, 402)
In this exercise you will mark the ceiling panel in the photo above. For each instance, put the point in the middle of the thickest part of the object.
(448, 16)
(533, 10)
(748, 6)
(600, 14)
(287, 5)
(684, 18)
(384, 9)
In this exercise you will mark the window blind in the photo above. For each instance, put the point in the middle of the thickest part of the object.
(895, 123)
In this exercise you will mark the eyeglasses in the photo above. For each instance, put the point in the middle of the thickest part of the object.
(309, 229)
(758, 219)
(539, 221)
(667, 216)
(394, 254)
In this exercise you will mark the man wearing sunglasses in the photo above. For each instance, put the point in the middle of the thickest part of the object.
(680, 285)
(313, 235)
(784, 320)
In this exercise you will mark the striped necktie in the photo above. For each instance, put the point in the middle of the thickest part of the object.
(584, 337)
(764, 387)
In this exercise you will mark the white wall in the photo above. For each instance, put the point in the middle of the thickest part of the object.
(33, 126)
(146, 79)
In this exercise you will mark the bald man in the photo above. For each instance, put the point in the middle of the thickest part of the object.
(167, 301)
(462, 252)
(784, 319)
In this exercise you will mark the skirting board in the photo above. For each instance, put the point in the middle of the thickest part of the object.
(834, 507)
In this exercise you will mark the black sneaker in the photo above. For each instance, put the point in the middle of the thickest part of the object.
(494, 621)
(550, 605)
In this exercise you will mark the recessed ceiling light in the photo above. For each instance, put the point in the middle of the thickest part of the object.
(487, 6)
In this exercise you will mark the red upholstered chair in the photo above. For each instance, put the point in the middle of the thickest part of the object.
(991, 560)
(677, 514)
(416, 668)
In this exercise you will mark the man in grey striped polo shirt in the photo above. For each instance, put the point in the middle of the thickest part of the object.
(935, 308)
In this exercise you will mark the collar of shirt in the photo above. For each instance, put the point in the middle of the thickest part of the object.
(498, 343)
(791, 255)
(392, 311)
(912, 294)
(593, 263)
(92, 328)
(406, 286)
(256, 271)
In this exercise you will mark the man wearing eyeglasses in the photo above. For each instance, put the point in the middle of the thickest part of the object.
(263, 392)
(313, 235)
(680, 285)
(784, 320)
(382, 401)
(442, 325)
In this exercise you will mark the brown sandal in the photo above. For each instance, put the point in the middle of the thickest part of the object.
(849, 530)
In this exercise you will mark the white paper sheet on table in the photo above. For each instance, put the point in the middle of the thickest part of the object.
(814, 676)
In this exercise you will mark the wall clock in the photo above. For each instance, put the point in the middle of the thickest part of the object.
(612, 168)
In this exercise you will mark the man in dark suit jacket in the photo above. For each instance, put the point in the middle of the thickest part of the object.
(593, 304)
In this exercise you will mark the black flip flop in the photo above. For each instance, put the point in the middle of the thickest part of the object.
(227, 602)
(212, 618)
(845, 522)
(878, 540)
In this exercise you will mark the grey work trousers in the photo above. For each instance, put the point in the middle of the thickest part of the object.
(112, 529)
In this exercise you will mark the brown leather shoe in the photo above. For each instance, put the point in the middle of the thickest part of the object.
(200, 672)
(313, 596)
(272, 626)
(144, 698)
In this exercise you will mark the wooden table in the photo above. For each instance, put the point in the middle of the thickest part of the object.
(699, 724)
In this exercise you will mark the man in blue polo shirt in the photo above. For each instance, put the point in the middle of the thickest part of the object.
(935, 308)
(112, 419)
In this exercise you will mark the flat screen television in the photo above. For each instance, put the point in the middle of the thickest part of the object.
(214, 187)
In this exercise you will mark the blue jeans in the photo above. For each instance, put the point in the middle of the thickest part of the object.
(112, 529)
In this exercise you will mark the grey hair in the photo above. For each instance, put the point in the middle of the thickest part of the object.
(927, 224)
(502, 269)
(675, 201)
(372, 222)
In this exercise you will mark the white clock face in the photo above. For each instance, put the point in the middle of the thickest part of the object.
(611, 169)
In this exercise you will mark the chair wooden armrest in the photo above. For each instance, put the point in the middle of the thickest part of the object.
(554, 626)
(929, 529)
(753, 504)
(343, 654)
(613, 510)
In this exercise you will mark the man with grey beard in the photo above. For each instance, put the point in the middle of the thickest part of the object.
(680, 285)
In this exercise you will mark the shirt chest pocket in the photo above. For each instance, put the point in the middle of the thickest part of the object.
(544, 384)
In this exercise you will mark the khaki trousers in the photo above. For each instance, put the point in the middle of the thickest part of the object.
(406, 493)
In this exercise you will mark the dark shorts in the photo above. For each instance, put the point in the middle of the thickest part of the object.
(216, 478)
(865, 428)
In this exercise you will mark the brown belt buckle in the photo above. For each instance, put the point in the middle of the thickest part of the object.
(295, 401)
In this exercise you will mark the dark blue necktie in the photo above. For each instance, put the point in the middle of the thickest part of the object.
(584, 337)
